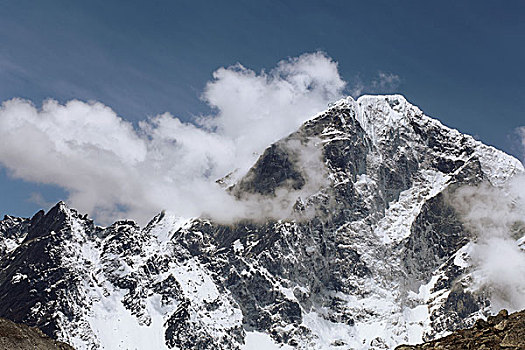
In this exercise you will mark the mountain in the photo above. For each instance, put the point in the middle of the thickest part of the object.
(353, 241)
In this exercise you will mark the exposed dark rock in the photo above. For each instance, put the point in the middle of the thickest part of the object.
(275, 168)
(436, 234)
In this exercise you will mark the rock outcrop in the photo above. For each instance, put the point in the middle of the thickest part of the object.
(500, 332)
(15, 336)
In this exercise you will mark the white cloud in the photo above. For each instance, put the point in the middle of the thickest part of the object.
(112, 170)
(497, 216)
(255, 110)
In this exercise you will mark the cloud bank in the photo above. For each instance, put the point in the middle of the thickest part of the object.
(112, 170)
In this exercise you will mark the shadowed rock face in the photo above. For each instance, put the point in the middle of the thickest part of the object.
(437, 233)
(21, 337)
(277, 167)
(37, 257)
(363, 234)
(499, 332)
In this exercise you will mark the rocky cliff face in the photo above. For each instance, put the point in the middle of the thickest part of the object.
(355, 244)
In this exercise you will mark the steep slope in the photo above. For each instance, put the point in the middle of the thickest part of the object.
(352, 242)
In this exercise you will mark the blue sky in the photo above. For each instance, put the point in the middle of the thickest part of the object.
(461, 62)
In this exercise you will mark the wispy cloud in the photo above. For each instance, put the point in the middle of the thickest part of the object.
(521, 133)
(382, 83)
(386, 82)
(8, 67)
(38, 199)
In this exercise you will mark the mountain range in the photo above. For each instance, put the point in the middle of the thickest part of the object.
(355, 241)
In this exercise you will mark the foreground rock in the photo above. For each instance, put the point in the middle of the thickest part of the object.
(502, 331)
(22, 337)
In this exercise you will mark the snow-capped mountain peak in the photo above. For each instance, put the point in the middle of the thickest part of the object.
(356, 245)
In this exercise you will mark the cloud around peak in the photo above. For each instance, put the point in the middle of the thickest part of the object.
(111, 169)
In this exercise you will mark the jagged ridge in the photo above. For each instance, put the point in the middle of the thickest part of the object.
(370, 254)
